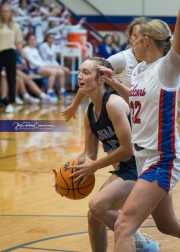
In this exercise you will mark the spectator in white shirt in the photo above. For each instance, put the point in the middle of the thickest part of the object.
(56, 30)
(48, 54)
(48, 50)
(38, 66)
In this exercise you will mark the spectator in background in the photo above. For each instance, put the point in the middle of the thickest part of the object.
(56, 30)
(38, 66)
(10, 38)
(48, 10)
(31, 3)
(24, 81)
(48, 54)
(20, 88)
(21, 16)
(57, 25)
(105, 49)
(37, 23)
(44, 7)
(116, 44)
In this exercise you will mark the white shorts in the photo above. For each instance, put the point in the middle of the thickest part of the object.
(164, 167)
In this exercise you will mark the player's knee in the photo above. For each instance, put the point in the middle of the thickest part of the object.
(91, 219)
(95, 208)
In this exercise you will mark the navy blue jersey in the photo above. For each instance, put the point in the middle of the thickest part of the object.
(103, 128)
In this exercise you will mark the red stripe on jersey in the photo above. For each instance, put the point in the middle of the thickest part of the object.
(173, 120)
(160, 126)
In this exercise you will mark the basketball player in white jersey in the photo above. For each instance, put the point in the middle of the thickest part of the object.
(122, 62)
(153, 101)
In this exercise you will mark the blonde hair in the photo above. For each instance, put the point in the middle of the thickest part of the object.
(158, 31)
(136, 21)
(10, 22)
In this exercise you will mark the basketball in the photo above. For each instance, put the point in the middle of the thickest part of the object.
(68, 188)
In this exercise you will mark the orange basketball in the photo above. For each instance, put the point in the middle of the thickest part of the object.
(70, 189)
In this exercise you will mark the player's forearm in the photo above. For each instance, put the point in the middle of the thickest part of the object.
(77, 100)
(80, 158)
(118, 155)
(121, 89)
(91, 155)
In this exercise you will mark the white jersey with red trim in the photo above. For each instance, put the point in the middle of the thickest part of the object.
(123, 63)
(153, 104)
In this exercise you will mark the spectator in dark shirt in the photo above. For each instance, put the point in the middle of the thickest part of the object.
(105, 49)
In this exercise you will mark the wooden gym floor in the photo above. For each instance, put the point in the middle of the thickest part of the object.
(32, 216)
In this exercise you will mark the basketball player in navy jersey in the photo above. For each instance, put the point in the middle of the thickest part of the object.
(106, 120)
(156, 144)
(123, 63)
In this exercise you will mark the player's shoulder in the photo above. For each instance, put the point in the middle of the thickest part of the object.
(114, 98)
(116, 58)
(116, 102)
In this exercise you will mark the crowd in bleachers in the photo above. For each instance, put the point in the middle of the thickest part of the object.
(31, 35)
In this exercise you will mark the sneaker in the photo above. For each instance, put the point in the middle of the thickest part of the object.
(9, 109)
(19, 101)
(32, 100)
(1, 104)
(66, 96)
(5, 101)
(45, 100)
(150, 247)
(53, 99)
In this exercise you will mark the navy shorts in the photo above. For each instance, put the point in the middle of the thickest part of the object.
(106, 148)
(126, 170)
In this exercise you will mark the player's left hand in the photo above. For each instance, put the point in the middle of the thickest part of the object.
(108, 74)
(84, 170)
